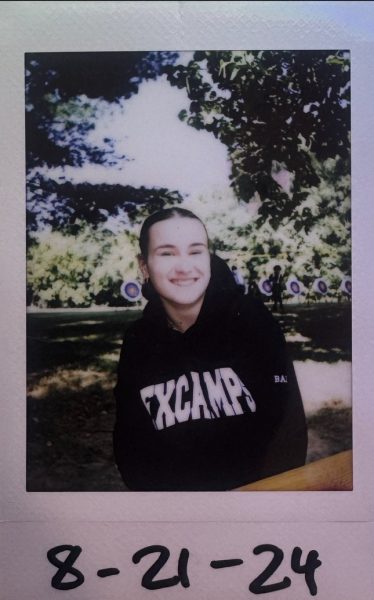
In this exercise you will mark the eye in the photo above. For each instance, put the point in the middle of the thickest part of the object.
(197, 249)
(166, 253)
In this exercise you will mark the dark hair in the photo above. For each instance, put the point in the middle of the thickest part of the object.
(162, 215)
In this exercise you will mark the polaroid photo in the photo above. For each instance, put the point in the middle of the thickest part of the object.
(197, 205)
(186, 353)
(185, 287)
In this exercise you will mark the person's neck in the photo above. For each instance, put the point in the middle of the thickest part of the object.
(182, 318)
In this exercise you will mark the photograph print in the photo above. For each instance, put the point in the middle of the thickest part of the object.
(188, 271)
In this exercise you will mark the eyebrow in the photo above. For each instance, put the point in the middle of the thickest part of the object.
(168, 246)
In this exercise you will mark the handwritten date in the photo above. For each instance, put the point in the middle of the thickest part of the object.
(150, 581)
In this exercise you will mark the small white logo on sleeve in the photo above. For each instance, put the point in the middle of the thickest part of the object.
(280, 378)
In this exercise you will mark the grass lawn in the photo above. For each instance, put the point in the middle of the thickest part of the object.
(72, 359)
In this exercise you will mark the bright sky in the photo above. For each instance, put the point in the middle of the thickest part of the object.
(164, 151)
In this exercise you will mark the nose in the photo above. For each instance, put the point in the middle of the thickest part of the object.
(183, 264)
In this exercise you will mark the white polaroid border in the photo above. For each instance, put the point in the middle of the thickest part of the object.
(112, 26)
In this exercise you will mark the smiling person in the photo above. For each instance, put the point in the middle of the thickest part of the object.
(207, 398)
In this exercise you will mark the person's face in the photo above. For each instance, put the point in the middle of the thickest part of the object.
(178, 262)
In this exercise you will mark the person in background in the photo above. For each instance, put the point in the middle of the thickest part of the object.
(253, 289)
(207, 398)
(277, 283)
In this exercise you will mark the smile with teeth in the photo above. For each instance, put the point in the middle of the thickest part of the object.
(184, 282)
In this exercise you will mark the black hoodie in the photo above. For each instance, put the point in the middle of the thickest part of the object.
(213, 408)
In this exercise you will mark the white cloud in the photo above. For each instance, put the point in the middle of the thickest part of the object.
(163, 151)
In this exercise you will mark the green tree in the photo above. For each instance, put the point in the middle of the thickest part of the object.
(66, 96)
(78, 270)
(275, 111)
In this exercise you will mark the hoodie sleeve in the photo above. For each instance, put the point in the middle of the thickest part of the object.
(288, 446)
(288, 443)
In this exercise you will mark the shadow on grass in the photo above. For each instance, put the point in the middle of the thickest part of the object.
(70, 441)
(324, 330)
(72, 360)
(72, 339)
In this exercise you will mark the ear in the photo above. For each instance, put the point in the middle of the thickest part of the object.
(143, 267)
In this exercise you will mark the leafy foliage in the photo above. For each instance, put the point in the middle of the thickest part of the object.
(67, 94)
(66, 270)
(312, 242)
(65, 206)
(64, 94)
(274, 110)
